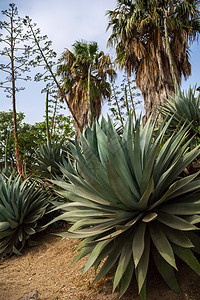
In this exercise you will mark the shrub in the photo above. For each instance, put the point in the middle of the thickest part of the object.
(6, 172)
(184, 108)
(22, 205)
(49, 157)
(128, 202)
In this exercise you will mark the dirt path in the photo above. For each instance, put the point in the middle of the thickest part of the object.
(47, 268)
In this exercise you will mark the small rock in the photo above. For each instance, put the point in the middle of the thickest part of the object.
(30, 296)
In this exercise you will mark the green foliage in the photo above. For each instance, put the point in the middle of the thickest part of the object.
(183, 108)
(153, 40)
(49, 157)
(62, 127)
(7, 136)
(30, 137)
(7, 172)
(86, 73)
(128, 203)
(22, 206)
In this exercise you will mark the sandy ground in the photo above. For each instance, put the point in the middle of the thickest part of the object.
(47, 268)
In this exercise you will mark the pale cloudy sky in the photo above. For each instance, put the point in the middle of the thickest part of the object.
(65, 21)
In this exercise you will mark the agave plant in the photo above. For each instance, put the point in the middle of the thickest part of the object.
(7, 172)
(22, 205)
(129, 204)
(185, 109)
(50, 156)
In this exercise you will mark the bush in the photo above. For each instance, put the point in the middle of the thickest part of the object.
(128, 202)
(184, 109)
(50, 156)
(22, 206)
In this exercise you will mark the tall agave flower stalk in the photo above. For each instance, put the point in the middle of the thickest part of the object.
(129, 204)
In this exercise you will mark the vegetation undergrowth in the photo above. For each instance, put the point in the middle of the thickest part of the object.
(22, 207)
(49, 156)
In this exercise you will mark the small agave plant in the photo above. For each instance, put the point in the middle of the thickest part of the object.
(22, 205)
(49, 156)
(128, 203)
(184, 108)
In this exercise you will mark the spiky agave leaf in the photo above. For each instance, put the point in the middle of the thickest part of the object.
(184, 108)
(22, 205)
(49, 156)
(6, 172)
(128, 201)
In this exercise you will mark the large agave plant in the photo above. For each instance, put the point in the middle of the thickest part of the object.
(22, 205)
(129, 204)
(185, 109)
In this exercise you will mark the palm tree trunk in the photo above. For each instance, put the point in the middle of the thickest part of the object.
(153, 100)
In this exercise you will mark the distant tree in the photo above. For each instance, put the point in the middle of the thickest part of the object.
(15, 57)
(62, 127)
(152, 39)
(85, 72)
(7, 151)
(30, 137)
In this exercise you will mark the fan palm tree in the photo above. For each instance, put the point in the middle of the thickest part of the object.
(152, 39)
(85, 72)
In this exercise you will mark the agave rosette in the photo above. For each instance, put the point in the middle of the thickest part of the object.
(128, 202)
(22, 205)
(49, 156)
(184, 108)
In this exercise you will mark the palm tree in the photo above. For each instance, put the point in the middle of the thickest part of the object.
(85, 72)
(152, 39)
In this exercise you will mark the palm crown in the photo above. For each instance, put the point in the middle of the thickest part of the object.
(74, 73)
(139, 34)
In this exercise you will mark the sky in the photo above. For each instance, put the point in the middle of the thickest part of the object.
(64, 22)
